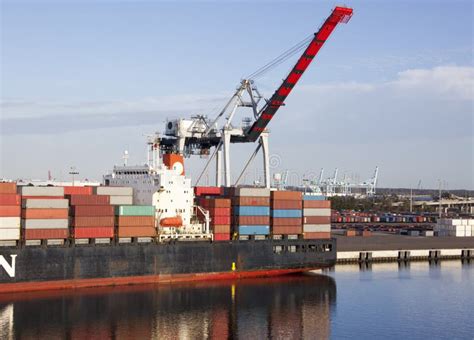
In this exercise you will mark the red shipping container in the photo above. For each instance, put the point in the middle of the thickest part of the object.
(7, 188)
(136, 221)
(317, 204)
(317, 220)
(89, 199)
(220, 220)
(10, 199)
(287, 230)
(211, 191)
(286, 221)
(286, 204)
(222, 237)
(251, 220)
(44, 234)
(69, 190)
(10, 211)
(286, 195)
(314, 236)
(93, 232)
(92, 210)
(87, 221)
(42, 197)
(136, 232)
(45, 213)
(251, 201)
(220, 211)
(221, 229)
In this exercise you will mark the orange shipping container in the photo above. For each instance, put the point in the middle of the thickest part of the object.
(136, 221)
(69, 190)
(287, 230)
(251, 220)
(214, 202)
(25, 197)
(7, 188)
(45, 213)
(251, 201)
(136, 232)
(92, 210)
(312, 236)
(221, 229)
(286, 195)
(287, 221)
(287, 204)
(10, 211)
(220, 220)
(317, 220)
(94, 232)
(88, 221)
(317, 204)
(10, 199)
(219, 212)
(44, 234)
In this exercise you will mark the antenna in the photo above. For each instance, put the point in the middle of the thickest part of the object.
(73, 171)
(125, 158)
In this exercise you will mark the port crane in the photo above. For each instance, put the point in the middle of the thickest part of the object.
(198, 135)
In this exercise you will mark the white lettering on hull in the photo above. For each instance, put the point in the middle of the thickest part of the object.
(10, 269)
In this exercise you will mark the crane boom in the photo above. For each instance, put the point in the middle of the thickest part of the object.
(338, 15)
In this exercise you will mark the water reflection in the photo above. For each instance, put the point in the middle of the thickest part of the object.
(290, 307)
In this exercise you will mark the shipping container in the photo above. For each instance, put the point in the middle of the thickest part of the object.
(221, 236)
(10, 199)
(43, 234)
(94, 232)
(136, 221)
(254, 230)
(255, 192)
(92, 210)
(251, 220)
(308, 197)
(45, 223)
(251, 201)
(286, 213)
(316, 212)
(251, 211)
(317, 204)
(113, 191)
(45, 213)
(136, 231)
(135, 210)
(287, 204)
(317, 228)
(121, 200)
(214, 202)
(220, 211)
(10, 210)
(317, 220)
(8, 188)
(9, 234)
(10, 222)
(286, 195)
(89, 199)
(350, 233)
(91, 221)
(40, 203)
(287, 230)
(208, 191)
(221, 229)
(313, 236)
(220, 220)
(69, 190)
(286, 221)
(41, 191)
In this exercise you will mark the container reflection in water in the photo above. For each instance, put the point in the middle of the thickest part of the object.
(286, 307)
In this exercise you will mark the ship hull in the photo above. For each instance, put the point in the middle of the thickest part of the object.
(45, 268)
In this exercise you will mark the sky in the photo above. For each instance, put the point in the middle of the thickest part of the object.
(82, 81)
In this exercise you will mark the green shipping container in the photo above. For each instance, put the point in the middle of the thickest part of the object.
(135, 210)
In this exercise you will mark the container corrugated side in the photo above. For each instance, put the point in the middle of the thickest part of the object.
(317, 204)
(92, 210)
(221, 236)
(220, 220)
(136, 232)
(251, 201)
(314, 198)
(287, 204)
(9, 234)
(286, 221)
(286, 195)
(286, 213)
(136, 221)
(44, 234)
(316, 220)
(114, 191)
(251, 211)
(45, 223)
(121, 200)
(45, 203)
(254, 230)
(87, 221)
(10, 210)
(256, 192)
(313, 236)
(251, 220)
(317, 228)
(135, 210)
(8, 188)
(45, 213)
(287, 230)
(41, 191)
(89, 199)
(93, 232)
(316, 212)
(10, 222)
(221, 229)
(70, 190)
(10, 199)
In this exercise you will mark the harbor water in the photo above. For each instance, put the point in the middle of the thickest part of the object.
(391, 301)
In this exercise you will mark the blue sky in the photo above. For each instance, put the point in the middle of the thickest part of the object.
(82, 81)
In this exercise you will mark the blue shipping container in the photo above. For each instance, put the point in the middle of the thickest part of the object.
(251, 211)
(313, 198)
(286, 213)
(254, 230)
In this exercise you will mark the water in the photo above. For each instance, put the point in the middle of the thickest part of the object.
(419, 301)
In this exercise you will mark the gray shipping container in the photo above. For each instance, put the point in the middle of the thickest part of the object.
(36, 203)
(45, 223)
(316, 228)
(254, 192)
(121, 200)
(316, 212)
(114, 191)
(42, 191)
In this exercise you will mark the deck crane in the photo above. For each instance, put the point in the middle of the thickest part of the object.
(196, 136)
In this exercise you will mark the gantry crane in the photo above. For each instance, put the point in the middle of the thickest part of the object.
(199, 135)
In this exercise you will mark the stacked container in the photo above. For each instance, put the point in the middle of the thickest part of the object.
(316, 217)
(286, 212)
(135, 221)
(118, 195)
(251, 211)
(220, 215)
(92, 216)
(455, 227)
(44, 214)
(10, 212)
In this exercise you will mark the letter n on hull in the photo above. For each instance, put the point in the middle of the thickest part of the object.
(10, 269)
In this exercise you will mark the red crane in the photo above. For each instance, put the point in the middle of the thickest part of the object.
(338, 15)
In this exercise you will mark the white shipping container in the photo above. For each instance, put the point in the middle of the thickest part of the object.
(254, 192)
(10, 222)
(114, 191)
(9, 234)
(46, 223)
(121, 200)
(468, 232)
(316, 228)
(40, 203)
(316, 212)
(42, 191)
